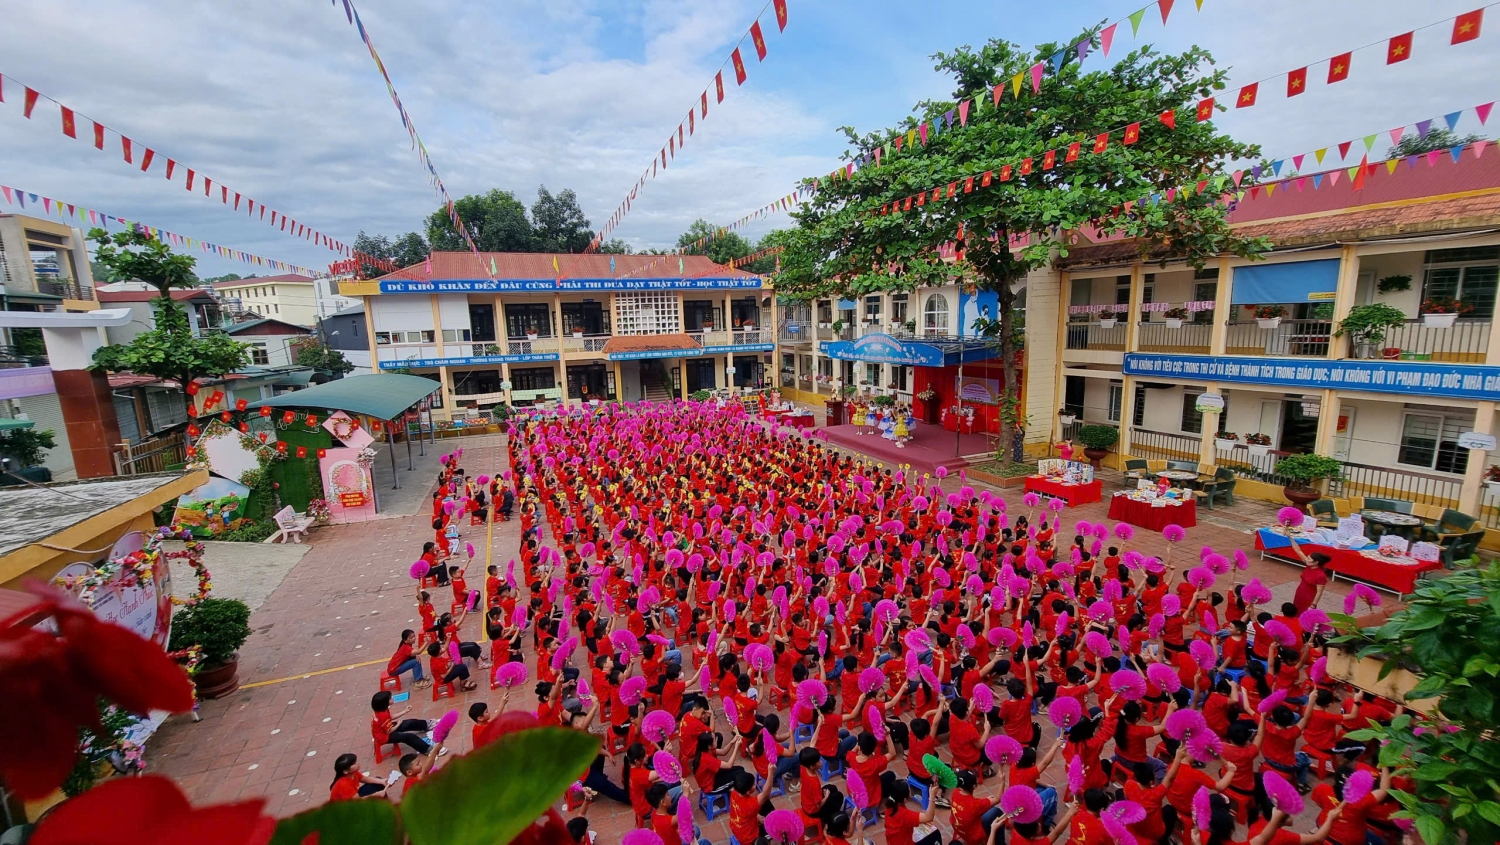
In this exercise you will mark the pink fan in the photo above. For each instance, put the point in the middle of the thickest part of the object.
(1116, 829)
(1314, 620)
(1171, 605)
(625, 641)
(1241, 560)
(1003, 637)
(1318, 670)
(917, 640)
(667, 767)
(1021, 804)
(1156, 625)
(641, 836)
(658, 725)
(1154, 564)
(1281, 633)
(1200, 577)
(871, 679)
(444, 727)
(1173, 533)
(1031, 500)
(761, 658)
(1217, 564)
(1289, 516)
(632, 689)
(518, 617)
(1002, 750)
(1203, 807)
(419, 569)
(857, 791)
(1254, 592)
(1164, 677)
(1271, 701)
(768, 742)
(1101, 610)
(1075, 776)
(877, 723)
(511, 675)
(1028, 636)
(1123, 531)
(941, 578)
(1358, 786)
(812, 693)
(731, 711)
(1360, 593)
(929, 677)
(1065, 711)
(887, 611)
(1283, 795)
(784, 826)
(941, 472)
(984, 698)
(731, 610)
(966, 636)
(1129, 684)
(1113, 591)
(1203, 654)
(1097, 643)
(1204, 746)
(1184, 723)
(453, 652)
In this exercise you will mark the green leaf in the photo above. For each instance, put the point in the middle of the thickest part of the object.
(1490, 811)
(1431, 828)
(488, 796)
(1435, 771)
(362, 822)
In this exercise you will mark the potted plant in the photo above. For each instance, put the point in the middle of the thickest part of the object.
(219, 627)
(1226, 440)
(1258, 444)
(1492, 480)
(1107, 319)
(1441, 312)
(531, 334)
(1392, 284)
(1302, 472)
(1066, 417)
(1269, 316)
(1175, 316)
(577, 333)
(838, 326)
(1096, 440)
(1367, 325)
(911, 326)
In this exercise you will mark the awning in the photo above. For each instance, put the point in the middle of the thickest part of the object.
(928, 352)
(1292, 281)
(300, 378)
(8, 424)
(383, 396)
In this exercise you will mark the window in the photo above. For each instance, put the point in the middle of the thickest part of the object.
(1138, 410)
(536, 378)
(1205, 292)
(1192, 421)
(645, 312)
(1116, 400)
(872, 375)
(273, 290)
(872, 308)
(1468, 275)
(898, 308)
(456, 335)
(1430, 441)
(533, 318)
(258, 354)
(1122, 289)
(901, 375)
(935, 315)
(277, 306)
(382, 338)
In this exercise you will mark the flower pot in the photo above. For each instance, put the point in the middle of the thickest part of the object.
(1301, 497)
(1107, 324)
(218, 681)
(1095, 456)
(1439, 321)
(1391, 353)
(1225, 445)
(1066, 419)
(531, 335)
(1493, 487)
(1268, 322)
(1174, 322)
(578, 335)
(1259, 450)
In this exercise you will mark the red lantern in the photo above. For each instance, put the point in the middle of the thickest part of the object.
(240, 404)
(245, 429)
(225, 416)
(301, 451)
(322, 453)
(265, 412)
(312, 420)
(192, 430)
(191, 388)
(288, 417)
(262, 436)
(281, 446)
(192, 451)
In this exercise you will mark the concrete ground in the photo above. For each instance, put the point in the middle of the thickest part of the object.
(246, 571)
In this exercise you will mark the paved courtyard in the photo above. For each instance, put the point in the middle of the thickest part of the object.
(324, 633)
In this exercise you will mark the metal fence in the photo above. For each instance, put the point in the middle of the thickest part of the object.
(1159, 337)
(1465, 342)
(1095, 336)
(1355, 479)
(151, 455)
(1163, 445)
(1294, 338)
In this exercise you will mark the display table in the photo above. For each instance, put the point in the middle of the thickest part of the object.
(1398, 575)
(1143, 515)
(1073, 494)
(796, 420)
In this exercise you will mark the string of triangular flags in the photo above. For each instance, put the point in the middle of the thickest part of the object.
(756, 256)
(67, 211)
(433, 179)
(1465, 28)
(696, 112)
(783, 204)
(137, 154)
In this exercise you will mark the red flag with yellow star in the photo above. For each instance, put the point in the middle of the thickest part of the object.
(719, 84)
(780, 14)
(1296, 82)
(1205, 109)
(739, 66)
(1338, 67)
(1399, 49)
(1466, 26)
(1247, 96)
(1132, 133)
(760, 40)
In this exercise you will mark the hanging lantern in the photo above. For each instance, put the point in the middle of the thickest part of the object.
(312, 420)
(265, 412)
(244, 429)
(226, 417)
(262, 436)
(301, 451)
(322, 453)
(240, 404)
(288, 417)
(193, 430)
(191, 388)
(281, 446)
(192, 451)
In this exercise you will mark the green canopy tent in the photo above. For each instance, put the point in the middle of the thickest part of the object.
(384, 397)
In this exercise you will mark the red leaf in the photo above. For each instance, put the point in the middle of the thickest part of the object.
(118, 664)
(151, 810)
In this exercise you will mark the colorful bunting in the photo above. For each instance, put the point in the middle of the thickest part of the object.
(1296, 82)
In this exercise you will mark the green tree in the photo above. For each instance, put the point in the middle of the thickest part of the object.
(845, 247)
(615, 246)
(320, 357)
(227, 277)
(1436, 139)
(26, 446)
(767, 265)
(496, 221)
(169, 350)
(721, 248)
(411, 248)
(558, 223)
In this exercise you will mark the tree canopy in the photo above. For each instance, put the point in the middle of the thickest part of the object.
(855, 236)
(1435, 139)
(558, 224)
(404, 251)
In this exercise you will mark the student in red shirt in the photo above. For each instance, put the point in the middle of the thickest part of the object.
(414, 767)
(349, 782)
(968, 811)
(746, 806)
(387, 730)
(1032, 833)
(404, 660)
(901, 821)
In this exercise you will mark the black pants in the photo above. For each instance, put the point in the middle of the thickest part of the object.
(368, 789)
(469, 650)
(458, 671)
(409, 733)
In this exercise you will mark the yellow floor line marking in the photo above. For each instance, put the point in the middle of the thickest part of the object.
(310, 674)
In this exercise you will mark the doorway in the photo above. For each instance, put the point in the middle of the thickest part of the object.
(589, 381)
(701, 374)
(747, 370)
(1073, 391)
(1299, 431)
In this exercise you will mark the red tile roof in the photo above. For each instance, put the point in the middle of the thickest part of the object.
(650, 343)
(534, 266)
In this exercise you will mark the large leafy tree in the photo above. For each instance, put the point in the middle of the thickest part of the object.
(170, 350)
(849, 240)
(404, 251)
(558, 223)
(497, 222)
(721, 248)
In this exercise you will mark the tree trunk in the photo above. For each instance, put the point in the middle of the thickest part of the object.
(1009, 395)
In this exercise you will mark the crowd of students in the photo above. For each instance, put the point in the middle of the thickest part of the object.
(758, 623)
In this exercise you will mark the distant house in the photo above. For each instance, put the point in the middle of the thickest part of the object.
(203, 309)
(292, 297)
(346, 332)
(272, 342)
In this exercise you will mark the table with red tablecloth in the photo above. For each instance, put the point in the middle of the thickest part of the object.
(1073, 494)
(1142, 514)
(1398, 577)
(796, 420)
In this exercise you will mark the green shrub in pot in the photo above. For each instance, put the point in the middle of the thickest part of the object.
(219, 626)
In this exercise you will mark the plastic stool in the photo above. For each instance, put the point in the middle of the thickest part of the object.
(921, 789)
(457, 606)
(440, 689)
(776, 789)
(389, 681)
(837, 769)
(713, 804)
(394, 752)
(802, 734)
(869, 813)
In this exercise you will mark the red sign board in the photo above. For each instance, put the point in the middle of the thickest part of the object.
(352, 500)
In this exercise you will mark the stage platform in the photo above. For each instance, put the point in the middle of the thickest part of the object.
(931, 446)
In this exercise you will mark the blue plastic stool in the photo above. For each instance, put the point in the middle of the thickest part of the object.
(802, 734)
(921, 789)
(776, 788)
(713, 804)
(837, 769)
(870, 813)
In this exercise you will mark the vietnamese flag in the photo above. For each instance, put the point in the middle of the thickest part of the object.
(1025, 167)
(1101, 142)
(780, 13)
(760, 40)
(1132, 133)
(29, 103)
(739, 66)
(719, 84)
(1338, 67)
(1296, 82)
(1049, 158)
(1466, 26)
(1073, 151)
(1399, 49)
(1247, 96)
(1205, 109)
(68, 126)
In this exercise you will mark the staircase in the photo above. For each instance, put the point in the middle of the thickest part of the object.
(658, 382)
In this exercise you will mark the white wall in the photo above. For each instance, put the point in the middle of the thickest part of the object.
(453, 310)
(46, 412)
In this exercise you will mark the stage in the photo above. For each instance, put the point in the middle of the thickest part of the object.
(930, 447)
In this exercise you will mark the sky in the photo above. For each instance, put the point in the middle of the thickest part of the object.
(280, 100)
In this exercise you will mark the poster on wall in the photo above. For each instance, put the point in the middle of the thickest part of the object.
(142, 605)
(979, 391)
(216, 506)
(348, 430)
(347, 485)
(980, 305)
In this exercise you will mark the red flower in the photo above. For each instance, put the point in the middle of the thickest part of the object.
(151, 810)
(57, 681)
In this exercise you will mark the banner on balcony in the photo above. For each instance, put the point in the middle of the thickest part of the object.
(1451, 381)
(567, 285)
(1293, 281)
(884, 349)
(468, 361)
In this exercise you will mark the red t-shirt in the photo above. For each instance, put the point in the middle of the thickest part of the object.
(1016, 714)
(744, 816)
(899, 825)
(347, 787)
(968, 818)
(963, 742)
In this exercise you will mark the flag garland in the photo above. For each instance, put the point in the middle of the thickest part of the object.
(71, 119)
(1465, 28)
(18, 197)
(411, 130)
(696, 113)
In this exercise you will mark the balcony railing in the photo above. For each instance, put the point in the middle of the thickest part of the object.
(586, 343)
(65, 288)
(1163, 445)
(1188, 337)
(1095, 337)
(1465, 342)
(530, 346)
(1291, 338)
(795, 331)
